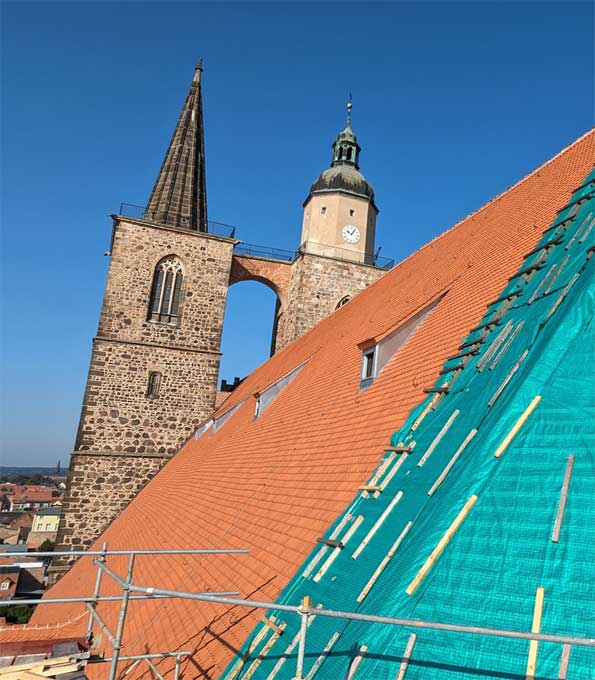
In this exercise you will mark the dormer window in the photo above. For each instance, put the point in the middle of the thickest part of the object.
(343, 301)
(203, 428)
(376, 353)
(219, 421)
(266, 396)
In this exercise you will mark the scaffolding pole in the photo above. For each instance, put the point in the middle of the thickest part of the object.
(93, 605)
(304, 610)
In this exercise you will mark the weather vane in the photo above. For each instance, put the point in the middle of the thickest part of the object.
(349, 107)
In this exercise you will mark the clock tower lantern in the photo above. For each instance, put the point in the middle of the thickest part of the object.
(339, 212)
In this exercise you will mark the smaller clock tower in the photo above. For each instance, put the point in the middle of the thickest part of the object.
(336, 258)
(340, 213)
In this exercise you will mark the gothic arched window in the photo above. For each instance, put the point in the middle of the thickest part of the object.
(164, 306)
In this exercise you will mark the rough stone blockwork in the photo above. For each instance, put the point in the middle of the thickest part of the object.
(101, 486)
(317, 285)
(118, 416)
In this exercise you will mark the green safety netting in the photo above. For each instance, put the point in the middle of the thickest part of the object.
(536, 340)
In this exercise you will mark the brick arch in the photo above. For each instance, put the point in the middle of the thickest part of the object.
(273, 273)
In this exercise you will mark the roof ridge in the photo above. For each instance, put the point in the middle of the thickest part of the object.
(497, 197)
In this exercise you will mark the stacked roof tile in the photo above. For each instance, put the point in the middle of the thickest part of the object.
(276, 483)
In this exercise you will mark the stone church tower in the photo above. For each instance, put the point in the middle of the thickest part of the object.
(155, 360)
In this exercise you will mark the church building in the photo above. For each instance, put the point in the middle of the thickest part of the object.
(155, 360)
(404, 491)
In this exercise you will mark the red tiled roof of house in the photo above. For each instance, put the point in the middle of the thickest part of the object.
(33, 492)
(274, 484)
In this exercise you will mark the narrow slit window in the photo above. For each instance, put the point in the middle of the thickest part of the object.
(323, 210)
(166, 291)
(153, 385)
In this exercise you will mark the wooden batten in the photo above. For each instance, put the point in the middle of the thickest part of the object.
(535, 628)
(442, 543)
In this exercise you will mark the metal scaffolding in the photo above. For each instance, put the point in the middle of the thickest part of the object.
(91, 602)
(304, 610)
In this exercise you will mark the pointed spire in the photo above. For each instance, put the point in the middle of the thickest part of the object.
(179, 197)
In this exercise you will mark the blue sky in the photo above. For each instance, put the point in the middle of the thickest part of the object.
(453, 102)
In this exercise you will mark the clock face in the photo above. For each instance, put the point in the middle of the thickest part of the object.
(350, 234)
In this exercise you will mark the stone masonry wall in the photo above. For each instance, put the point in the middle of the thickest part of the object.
(136, 250)
(100, 487)
(125, 435)
(317, 285)
(118, 416)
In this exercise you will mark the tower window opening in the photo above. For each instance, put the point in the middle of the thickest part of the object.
(323, 210)
(343, 301)
(351, 213)
(349, 152)
(164, 306)
(153, 385)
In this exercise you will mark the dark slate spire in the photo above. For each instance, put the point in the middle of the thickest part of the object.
(179, 197)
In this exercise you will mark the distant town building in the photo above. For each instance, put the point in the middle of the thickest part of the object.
(9, 578)
(17, 497)
(45, 526)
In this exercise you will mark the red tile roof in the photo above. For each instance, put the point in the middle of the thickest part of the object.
(273, 485)
(34, 493)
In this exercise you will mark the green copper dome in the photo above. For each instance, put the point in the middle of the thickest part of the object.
(343, 178)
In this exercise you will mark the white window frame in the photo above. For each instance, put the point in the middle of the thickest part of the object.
(5, 585)
(369, 360)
